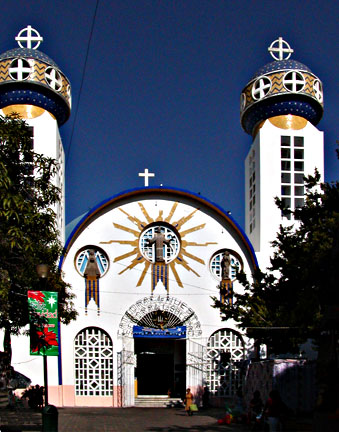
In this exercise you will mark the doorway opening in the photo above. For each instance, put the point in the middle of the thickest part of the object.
(161, 366)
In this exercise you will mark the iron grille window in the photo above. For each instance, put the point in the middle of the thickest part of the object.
(93, 352)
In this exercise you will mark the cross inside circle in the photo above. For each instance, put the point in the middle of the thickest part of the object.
(53, 78)
(27, 36)
(283, 49)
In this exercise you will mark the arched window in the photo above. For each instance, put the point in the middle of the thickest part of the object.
(93, 352)
(225, 348)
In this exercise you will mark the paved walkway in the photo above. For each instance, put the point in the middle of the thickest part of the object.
(141, 420)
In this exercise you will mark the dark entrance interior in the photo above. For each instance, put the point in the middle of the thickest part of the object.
(160, 366)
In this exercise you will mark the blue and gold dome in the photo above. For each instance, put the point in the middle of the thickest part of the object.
(29, 77)
(279, 88)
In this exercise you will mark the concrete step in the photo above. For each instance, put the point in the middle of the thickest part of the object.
(155, 401)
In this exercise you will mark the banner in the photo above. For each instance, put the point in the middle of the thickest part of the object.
(147, 332)
(43, 314)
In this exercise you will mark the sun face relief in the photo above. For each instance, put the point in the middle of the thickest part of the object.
(159, 244)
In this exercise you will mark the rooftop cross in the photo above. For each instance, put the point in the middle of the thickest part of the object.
(282, 49)
(146, 174)
(29, 35)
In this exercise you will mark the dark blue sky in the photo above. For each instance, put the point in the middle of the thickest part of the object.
(162, 84)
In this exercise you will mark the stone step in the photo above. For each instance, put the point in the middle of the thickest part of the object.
(155, 401)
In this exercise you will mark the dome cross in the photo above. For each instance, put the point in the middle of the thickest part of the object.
(283, 49)
(27, 36)
(146, 176)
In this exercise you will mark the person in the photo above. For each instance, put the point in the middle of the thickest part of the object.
(274, 411)
(188, 401)
(256, 410)
(206, 398)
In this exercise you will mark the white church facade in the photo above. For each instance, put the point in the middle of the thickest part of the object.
(145, 263)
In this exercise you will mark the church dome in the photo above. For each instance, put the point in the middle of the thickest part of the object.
(281, 87)
(30, 77)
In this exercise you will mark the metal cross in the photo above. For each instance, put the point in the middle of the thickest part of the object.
(146, 174)
(280, 49)
(295, 81)
(20, 71)
(261, 88)
(318, 90)
(32, 36)
(53, 78)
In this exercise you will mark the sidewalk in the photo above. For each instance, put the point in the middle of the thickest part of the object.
(141, 420)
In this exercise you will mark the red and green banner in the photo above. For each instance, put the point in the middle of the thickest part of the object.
(43, 312)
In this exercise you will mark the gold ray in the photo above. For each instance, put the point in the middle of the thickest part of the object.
(126, 255)
(134, 219)
(199, 260)
(160, 216)
(136, 233)
(143, 274)
(187, 267)
(196, 228)
(184, 219)
(129, 242)
(172, 265)
(135, 262)
(169, 217)
(149, 220)
(186, 243)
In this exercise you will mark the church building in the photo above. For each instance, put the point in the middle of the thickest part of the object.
(145, 263)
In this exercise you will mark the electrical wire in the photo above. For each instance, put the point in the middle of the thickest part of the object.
(82, 82)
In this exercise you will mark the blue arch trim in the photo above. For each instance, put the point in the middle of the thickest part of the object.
(152, 190)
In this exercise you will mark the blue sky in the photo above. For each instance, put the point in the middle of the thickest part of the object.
(161, 86)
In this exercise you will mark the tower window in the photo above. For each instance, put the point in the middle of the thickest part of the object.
(285, 165)
(285, 141)
(298, 166)
(298, 202)
(299, 178)
(285, 177)
(299, 190)
(292, 187)
(298, 141)
(285, 153)
(298, 153)
(285, 190)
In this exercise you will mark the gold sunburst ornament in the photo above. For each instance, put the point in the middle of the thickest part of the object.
(160, 245)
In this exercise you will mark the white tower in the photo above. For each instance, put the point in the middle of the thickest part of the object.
(280, 107)
(32, 85)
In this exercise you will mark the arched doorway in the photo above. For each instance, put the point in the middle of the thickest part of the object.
(225, 348)
(93, 356)
(160, 326)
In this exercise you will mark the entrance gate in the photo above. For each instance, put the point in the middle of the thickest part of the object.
(169, 312)
(196, 371)
(126, 365)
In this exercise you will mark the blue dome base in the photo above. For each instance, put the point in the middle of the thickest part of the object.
(21, 93)
(299, 105)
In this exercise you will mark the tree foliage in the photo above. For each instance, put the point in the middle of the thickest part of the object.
(28, 230)
(297, 297)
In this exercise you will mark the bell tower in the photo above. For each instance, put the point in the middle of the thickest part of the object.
(280, 108)
(33, 86)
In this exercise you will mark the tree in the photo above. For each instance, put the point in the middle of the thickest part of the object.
(297, 297)
(28, 230)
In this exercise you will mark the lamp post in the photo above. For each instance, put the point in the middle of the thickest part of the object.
(43, 270)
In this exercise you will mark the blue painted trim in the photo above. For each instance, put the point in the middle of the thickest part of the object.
(151, 189)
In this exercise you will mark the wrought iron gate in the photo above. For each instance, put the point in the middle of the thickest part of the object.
(126, 365)
(195, 360)
(225, 348)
